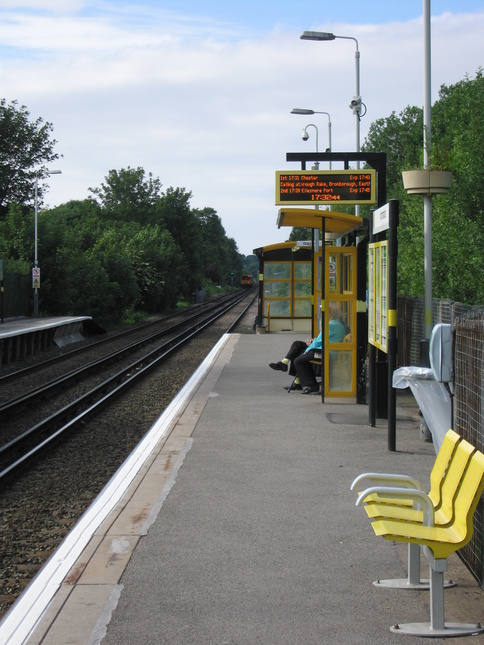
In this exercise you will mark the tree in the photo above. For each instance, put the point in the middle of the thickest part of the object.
(251, 265)
(129, 249)
(175, 215)
(401, 138)
(17, 236)
(214, 253)
(458, 217)
(154, 254)
(457, 130)
(25, 146)
(235, 259)
(82, 221)
(128, 195)
(300, 233)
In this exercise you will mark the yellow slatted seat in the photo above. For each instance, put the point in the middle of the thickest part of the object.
(443, 540)
(456, 506)
(437, 477)
(439, 524)
(442, 494)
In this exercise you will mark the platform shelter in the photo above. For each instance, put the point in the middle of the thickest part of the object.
(298, 281)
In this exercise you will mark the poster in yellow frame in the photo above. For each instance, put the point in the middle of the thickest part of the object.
(378, 295)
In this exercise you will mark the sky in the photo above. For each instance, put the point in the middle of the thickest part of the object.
(200, 93)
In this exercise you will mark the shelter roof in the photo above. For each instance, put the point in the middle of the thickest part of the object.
(339, 223)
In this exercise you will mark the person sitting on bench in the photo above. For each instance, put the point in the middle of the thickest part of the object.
(301, 354)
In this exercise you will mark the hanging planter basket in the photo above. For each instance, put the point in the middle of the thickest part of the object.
(426, 182)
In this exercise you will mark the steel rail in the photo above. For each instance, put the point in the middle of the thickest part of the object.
(123, 379)
(66, 355)
(29, 397)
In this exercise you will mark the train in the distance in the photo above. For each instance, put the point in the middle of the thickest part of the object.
(246, 281)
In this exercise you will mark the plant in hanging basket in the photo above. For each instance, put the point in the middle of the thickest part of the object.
(426, 181)
(431, 178)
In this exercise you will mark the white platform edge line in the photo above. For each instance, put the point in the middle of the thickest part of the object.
(19, 622)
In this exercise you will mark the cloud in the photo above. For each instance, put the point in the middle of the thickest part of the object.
(44, 5)
(200, 107)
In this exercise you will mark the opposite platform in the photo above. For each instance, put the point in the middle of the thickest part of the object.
(21, 326)
(24, 337)
(240, 526)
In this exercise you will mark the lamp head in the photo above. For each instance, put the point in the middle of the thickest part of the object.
(301, 111)
(317, 35)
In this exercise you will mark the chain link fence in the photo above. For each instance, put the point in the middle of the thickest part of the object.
(468, 382)
(469, 414)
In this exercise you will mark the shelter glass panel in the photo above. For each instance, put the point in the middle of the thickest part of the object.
(277, 289)
(279, 307)
(341, 273)
(340, 323)
(347, 277)
(340, 371)
(302, 271)
(277, 270)
(302, 290)
(302, 308)
(338, 327)
(332, 272)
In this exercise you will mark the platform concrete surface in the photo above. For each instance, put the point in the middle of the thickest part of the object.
(258, 539)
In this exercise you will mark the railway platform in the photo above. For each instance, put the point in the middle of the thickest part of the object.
(233, 522)
(24, 337)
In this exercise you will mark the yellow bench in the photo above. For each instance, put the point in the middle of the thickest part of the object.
(440, 532)
(447, 470)
(437, 477)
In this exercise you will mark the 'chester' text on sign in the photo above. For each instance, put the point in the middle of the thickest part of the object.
(326, 186)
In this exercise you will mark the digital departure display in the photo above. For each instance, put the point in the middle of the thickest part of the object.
(326, 186)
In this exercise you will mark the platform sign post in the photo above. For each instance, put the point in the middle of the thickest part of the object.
(36, 278)
(36, 287)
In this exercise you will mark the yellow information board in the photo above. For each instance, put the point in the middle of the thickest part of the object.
(378, 295)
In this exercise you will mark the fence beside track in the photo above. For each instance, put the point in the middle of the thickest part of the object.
(468, 409)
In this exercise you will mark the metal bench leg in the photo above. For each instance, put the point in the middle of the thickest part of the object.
(413, 580)
(414, 567)
(437, 628)
(436, 600)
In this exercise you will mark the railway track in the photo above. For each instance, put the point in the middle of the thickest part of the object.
(42, 499)
(120, 339)
(66, 401)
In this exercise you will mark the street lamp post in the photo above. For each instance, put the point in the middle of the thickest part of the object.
(355, 103)
(307, 112)
(305, 137)
(36, 271)
(314, 231)
(427, 140)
